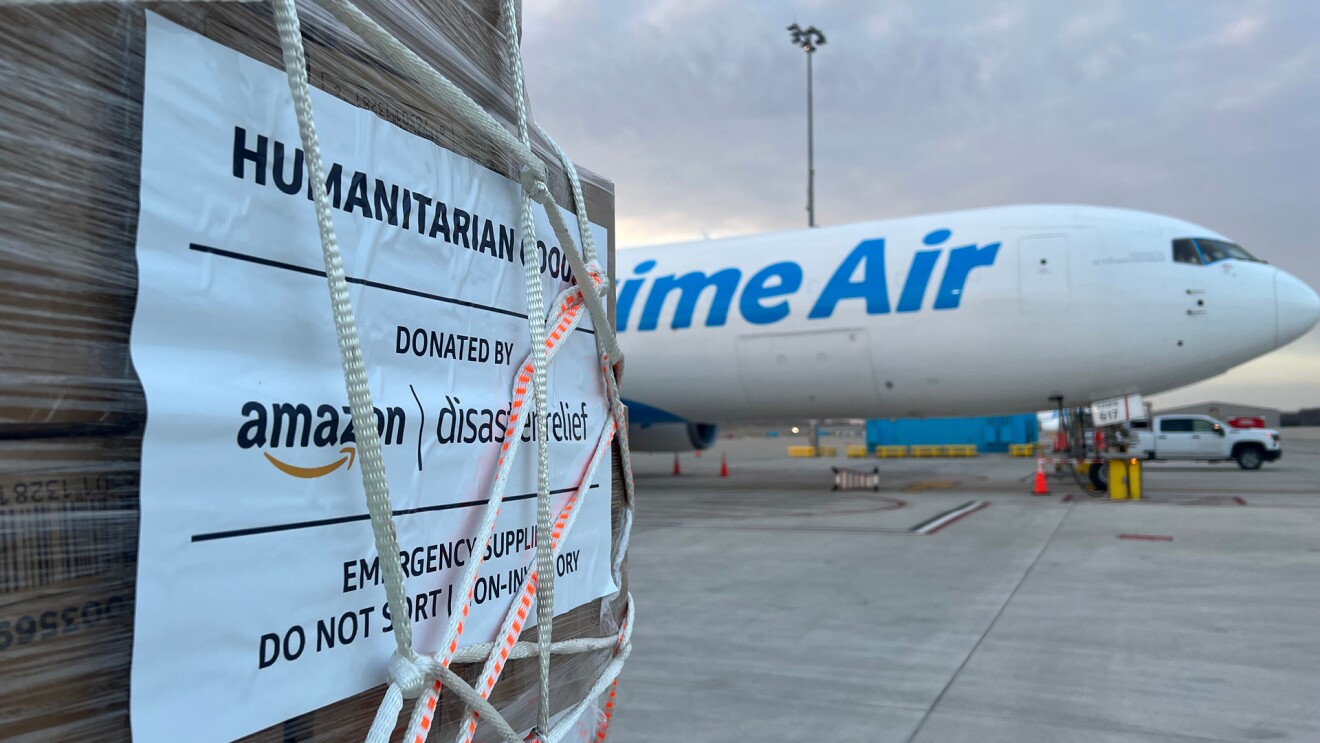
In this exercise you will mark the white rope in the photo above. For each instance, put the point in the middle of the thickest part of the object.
(521, 409)
(607, 676)
(481, 653)
(607, 344)
(533, 183)
(372, 464)
(567, 318)
(39, 3)
(545, 563)
(446, 93)
(584, 264)
(516, 616)
(579, 201)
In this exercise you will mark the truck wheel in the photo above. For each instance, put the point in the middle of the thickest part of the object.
(1099, 474)
(1250, 457)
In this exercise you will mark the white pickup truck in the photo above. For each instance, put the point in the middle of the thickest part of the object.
(1200, 437)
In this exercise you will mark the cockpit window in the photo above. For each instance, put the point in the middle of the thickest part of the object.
(1219, 250)
(1204, 251)
(1184, 251)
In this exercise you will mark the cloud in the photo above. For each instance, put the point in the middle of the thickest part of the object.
(891, 18)
(661, 14)
(1205, 110)
(1091, 22)
(1240, 31)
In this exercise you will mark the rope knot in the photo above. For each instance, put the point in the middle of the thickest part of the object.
(409, 674)
(534, 186)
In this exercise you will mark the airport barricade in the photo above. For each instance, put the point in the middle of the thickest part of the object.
(810, 451)
(960, 450)
(891, 452)
(857, 451)
(1021, 450)
(850, 479)
(927, 450)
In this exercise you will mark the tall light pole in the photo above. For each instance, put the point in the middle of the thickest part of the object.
(809, 39)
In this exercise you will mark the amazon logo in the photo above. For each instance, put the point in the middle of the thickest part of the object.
(306, 443)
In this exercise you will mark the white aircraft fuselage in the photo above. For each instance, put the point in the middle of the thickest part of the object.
(985, 311)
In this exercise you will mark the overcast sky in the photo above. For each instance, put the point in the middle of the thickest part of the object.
(1208, 110)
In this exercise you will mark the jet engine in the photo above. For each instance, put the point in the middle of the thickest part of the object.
(671, 436)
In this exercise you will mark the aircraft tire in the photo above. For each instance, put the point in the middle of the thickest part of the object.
(1099, 474)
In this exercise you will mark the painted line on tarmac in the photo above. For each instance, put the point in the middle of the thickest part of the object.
(1185, 499)
(923, 529)
(948, 517)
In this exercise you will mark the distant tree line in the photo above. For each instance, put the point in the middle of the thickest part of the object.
(1303, 417)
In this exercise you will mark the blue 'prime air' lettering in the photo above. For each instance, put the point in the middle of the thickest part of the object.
(764, 298)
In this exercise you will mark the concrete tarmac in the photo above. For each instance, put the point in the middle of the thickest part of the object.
(770, 608)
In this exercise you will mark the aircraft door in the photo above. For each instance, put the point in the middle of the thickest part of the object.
(830, 371)
(1043, 274)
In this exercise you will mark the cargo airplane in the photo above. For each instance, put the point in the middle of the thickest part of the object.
(986, 311)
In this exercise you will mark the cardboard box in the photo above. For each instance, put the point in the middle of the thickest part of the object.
(68, 219)
(68, 561)
(70, 128)
(68, 544)
(71, 407)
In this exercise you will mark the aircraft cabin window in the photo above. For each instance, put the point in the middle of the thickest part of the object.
(1184, 251)
(1176, 425)
(1219, 250)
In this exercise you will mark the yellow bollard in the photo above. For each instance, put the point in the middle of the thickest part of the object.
(1134, 479)
(1118, 479)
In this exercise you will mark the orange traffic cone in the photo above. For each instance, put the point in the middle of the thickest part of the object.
(1060, 441)
(1042, 487)
(724, 465)
(677, 470)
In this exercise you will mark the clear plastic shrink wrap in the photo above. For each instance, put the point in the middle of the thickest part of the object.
(71, 408)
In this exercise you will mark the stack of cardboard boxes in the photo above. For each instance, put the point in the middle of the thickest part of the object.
(72, 411)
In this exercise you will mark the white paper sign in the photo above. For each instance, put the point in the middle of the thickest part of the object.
(259, 594)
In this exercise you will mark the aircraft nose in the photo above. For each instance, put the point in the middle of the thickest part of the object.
(1297, 308)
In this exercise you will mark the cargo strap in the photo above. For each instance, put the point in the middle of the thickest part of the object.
(423, 675)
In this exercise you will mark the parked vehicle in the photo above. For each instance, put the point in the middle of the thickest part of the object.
(1202, 438)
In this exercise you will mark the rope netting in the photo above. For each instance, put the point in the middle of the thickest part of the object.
(422, 676)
